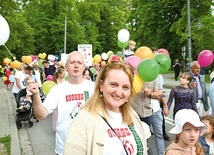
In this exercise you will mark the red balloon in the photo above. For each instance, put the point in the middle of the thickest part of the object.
(164, 51)
(114, 58)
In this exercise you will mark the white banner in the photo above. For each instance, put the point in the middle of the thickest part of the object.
(86, 51)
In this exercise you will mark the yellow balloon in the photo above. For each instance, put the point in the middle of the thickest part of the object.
(43, 55)
(7, 60)
(137, 83)
(97, 58)
(40, 55)
(47, 85)
(4, 78)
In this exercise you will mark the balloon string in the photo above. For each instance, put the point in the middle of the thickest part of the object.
(8, 50)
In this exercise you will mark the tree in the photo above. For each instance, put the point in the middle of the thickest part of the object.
(20, 41)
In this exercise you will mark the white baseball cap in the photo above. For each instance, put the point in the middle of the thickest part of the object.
(186, 116)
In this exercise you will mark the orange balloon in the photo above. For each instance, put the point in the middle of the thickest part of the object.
(12, 65)
(16, 64)
(103, 63)
(24, 58)
(28, 59)
(144, 52)
(137, 83)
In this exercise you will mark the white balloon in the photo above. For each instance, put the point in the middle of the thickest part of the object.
(123, 35)
(4, 31)
(104, 56)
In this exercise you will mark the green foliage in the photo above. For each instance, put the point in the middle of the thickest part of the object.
(37, 26)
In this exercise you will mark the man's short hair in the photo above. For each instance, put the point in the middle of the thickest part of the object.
(45, 62)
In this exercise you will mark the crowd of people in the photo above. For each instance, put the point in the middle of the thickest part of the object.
(94, 112)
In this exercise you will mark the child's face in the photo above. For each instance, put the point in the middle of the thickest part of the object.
(209, 129)
(189, 135)
(132, 46)
(183, 80)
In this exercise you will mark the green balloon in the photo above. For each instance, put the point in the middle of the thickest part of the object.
(122, 45)
(119, 53)
(40, 63)
(93, 71)
(164, 62)
(148, 69)
(66, 77)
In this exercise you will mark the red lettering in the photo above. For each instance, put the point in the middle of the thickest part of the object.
(74, 97)
(110, 133)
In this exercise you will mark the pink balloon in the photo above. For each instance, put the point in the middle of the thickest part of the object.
(205, 58)
(33, 57)
(164, 51)
(49, 78)
(133, 61)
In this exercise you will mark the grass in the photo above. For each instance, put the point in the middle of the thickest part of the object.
(6, 141)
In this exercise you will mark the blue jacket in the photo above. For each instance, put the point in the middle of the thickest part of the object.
(204, 91)
(204, 144)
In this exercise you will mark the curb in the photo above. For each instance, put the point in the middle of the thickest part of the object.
(15, 143)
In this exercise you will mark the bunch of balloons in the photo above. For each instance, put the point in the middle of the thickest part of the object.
(147, 65)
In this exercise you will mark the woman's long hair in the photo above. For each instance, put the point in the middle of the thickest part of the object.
(57, 73)
(199, 148)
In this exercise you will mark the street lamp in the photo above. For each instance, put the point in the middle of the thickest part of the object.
(183, 49)
(189, 23)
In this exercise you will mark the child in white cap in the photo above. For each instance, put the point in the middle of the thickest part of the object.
(188, 128)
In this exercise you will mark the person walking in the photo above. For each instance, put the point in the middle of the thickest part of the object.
(176, 67)
(67, 97)
(184, 96)
(107, 120)
(200, 90)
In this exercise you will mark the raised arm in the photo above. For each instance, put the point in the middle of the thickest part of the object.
(39, 110)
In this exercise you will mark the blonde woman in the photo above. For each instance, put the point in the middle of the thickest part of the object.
(107, 120)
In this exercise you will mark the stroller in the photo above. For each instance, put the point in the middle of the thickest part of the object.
(26, 113)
